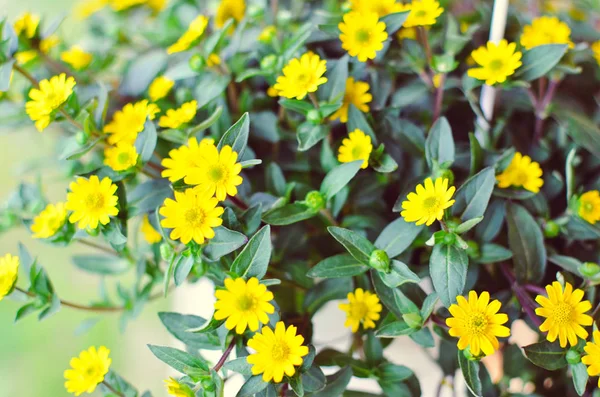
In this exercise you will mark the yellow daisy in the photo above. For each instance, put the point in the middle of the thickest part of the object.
(177, 389)
(521, 172)
(357, 93)
(217, 172)
(381, 7)
(150, 234)
(128, 122)
(589, 206)
(592, 357)
(87, 370)
(301, 76)
(49, 43)
(175, 118)
(564, 312)
(48, 98)
(183, 159)
(159, 88)
(26, 25)
(496, 62)
(477, 323)
(277, 352)
(92, 201)
(362, 35)
(245, 304)
(546, 30)
(49, 221)
(596, 51)
(357, 146)
(230, 9)
(9, 271)
(156, 5)
(422, 13)
(192, 215)
(191, 35)
(24, 57)
(363, 307)
(429, 202)
(76, 57)
(213, 60)
(121, 157)
(267, 34)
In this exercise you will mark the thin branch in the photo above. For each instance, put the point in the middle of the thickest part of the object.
(325, 213)
(424, 40)
(238, 203)
(439, 98)
(112, 389)
(524, 299)
(98, 247)
(225, 355)
(314, 100)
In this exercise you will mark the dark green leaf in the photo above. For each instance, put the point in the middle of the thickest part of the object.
(580, 377)
(392, 330)
(358, 246)
(237, 136)
(526, 241)
(297, 386)
(473, 196)
(357, 120)
(342, 265)
(493, 253)
(397, 237)
(399, 274)
(336, 384)
(336, 80)
(288, 214)
(210, 86)
(106, 265)
(182, 268)
(254, 259)
(239, 365)
(325, 291)
(470, 371)
(301, 107)
(179, 324)
(309, 135)
(146, 141)
(313, 380)
(448, 269)
(179, 360)
(225, 242)
(584, 131)
(547, 355)
(252, 386)
(439, 145)
(394, 21)
(540, 60)
(339, 177)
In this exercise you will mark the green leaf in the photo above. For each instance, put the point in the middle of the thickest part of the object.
(74, 150)
(239, 365)
(342, 265)
(473, 197)
(470, 371)
(358, 246)
(384, 164)
(399, 274)
(336, 384)
(325, 291)
(493, 253)
(275, 179)
(357, 120)
(179, 324)
(397, 237)
(141, 71)
(546, 355)
(394, 21)
(297, 41)
(313, 380)
(209, 87)
(439, 145)
(568, 263)
(237, 136)
(288, 214)
(182, 268)
(309, 135)
(225, 242)
(373, 349)
(540, 60)
(252, 386)
(296, 105)
(254, 259)
(580, 377)
(147, 196)
(212, 119)
(526, 241)
(5, 73)
(98, 264)
(477, 154)
(428, 305)
(297, 386)
(448, 269)
(583, 130)
(339, 177)
(336, 80)
(179, 360)
(393, 373)
(146, 141)
(392, 330)
(468, 225)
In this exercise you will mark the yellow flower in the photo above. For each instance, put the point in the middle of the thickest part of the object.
(191, 35)
(422, 13)
(230, 9)
(596, 51)
(49, 221)
(357, 93)
(120, 5)
(589, 206)
(362, 35)
(357, 146)
(27, 24)
(92, 201)
(362, 307)
(477, 323)
(76, 57)
(546, 30)
(150, 234)
(183, 159)
(217, 172)
(192, 215)
(213, 60)
(496, 62)
(175, 118)
(89, 7)
(301, 76)
(120, 157)
(128, 122)
(407, 33)
(156, 5)
(267, 34)
(49, 97)
(49, 43)
(272, 92)
(245, 304)
(9, 271)
(521, 172)
(277, 352)
(592, 357)
(437, 80)
(87, 370)
(429, 202)
(159, 88)
(564, 313)
(23, 57)
(177, 389)
(381, 7)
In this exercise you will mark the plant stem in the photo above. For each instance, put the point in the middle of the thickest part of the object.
(422, 36)
(325, 213)
(98, 247)
(314, 100)
(535, 289)
(439, 97)
(112, 389)
(225, 355)
(238, 203)
(284, 389)
(521, 295)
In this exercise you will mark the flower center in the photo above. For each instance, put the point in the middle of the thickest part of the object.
(431, 203)
(302, 78)
(194, 217)
(520, 178)
(420, 13)
(54, 99)
(563, 313)
(359, 310)
(588, 207)
(94, 201)
(496, 64)
(280, 351)
(92, 371)
(246, 302)
(357, 152)
(363, 36)
(217, 173)
(477, 323)
(123, 158)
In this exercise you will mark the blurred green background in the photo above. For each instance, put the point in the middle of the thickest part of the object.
(33, 354)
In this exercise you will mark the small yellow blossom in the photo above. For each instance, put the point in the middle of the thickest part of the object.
(49, 221)
(87, 370)
(267, 34)
(592, 356)
(49, 43)
(87, 8)
(589, 206)
(27, 24)
(565, 313)
(357, 146)
(9, 271)
(213, 60)
(428, 203)
(245, 304)
(521, 172)
(357, 94)
(301, 76)
(159, 88)
(437, 80)
(407, 34)
(151, 235)
(24, 57)
(272, 92)
(121, 157)
(380, 7)
(277, 352)
(191, 35)
(496, 62)
(92, 201)
(178, 389)
(596, 51)
(363, 307)
(128, 122)
(230, 9)
(48, 98)
(362, 35)
(546, 30)
(422, 13)
(183, 159)
(175, 118)
(76, 57)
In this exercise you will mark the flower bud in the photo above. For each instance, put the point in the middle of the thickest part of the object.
(414, 320)
(196, 62)
(551, 229)
(447, 174)
(315, 200)
(166, 252)
(93, 232)
(589, 269)
(314, 116)
(268, 62)
(208, 384)
(449, 238)
(380, 260)
(473, 249)
(81, 138)
(573, 356)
